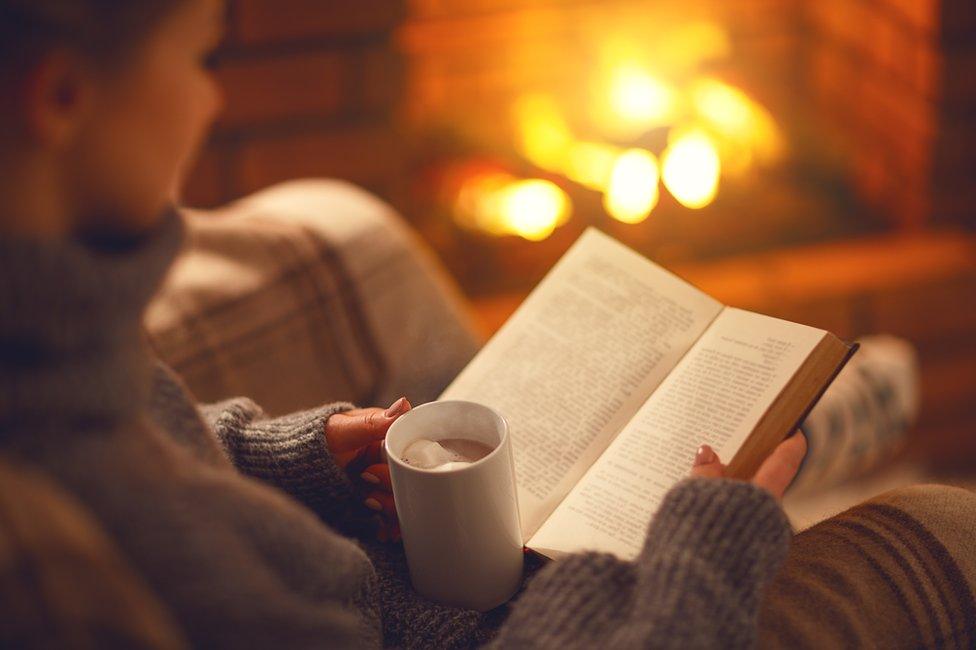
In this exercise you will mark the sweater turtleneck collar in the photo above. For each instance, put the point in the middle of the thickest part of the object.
(70, 325)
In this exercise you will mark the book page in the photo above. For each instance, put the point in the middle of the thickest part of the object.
(716, 395)
(578, 358)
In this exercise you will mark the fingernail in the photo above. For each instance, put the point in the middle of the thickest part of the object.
(370, 478)
(705, 456)
(373, 504)
(396, 408)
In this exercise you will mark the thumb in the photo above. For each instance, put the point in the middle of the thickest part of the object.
(356, 429)
(778, 471)
(707, 464)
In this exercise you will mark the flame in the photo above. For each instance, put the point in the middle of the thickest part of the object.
(633, 191)
(749, 129)
(688, 46)
(533, 208)
(591, 164)
(690, 169)
(502, 205)
(638, 101)
(544, 136)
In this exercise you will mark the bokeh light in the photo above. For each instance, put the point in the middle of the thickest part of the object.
(633, 190)
(500, 204)
(638, 101)
(690, 169)
(544, 136)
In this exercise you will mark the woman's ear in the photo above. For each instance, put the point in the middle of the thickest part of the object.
(57, 95)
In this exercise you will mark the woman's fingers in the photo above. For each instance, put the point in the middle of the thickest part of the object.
(779, 470)
(378, 476)
(371, 454)
(381, 502)
(707, 464)
(352, 430)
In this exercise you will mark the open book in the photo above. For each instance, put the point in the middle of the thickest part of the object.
(612, 373)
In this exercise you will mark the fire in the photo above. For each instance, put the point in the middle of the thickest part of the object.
(590, 164)
(544, 135)
(533, 208)
(747, 128)
(715, 129)
(690, 168)
(500, 204)
(633, 191)
(638, 101)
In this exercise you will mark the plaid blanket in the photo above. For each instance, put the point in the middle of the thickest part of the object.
(310, 292)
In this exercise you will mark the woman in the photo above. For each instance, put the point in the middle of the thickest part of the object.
(104, 104)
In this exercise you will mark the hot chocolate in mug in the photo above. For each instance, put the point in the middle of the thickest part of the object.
(460, 526)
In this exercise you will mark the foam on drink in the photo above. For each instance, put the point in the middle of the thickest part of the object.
(444, 455)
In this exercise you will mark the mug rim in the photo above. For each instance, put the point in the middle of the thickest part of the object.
(394, 458)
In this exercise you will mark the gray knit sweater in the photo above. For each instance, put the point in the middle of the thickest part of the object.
(249, 533)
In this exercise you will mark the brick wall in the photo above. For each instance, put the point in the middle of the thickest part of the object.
(894, 83)
(317, 88)
(311, 89)
(470, 59)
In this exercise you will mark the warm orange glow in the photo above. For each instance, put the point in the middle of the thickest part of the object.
(638, 101)
(633, 190)
(544, 135)
(533, 208)
(749, 129)
(716, 129)
(499, 204)
(690, 169)
(688, 46)
(590, 164)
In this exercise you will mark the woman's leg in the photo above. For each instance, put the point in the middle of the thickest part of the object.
(896, 571)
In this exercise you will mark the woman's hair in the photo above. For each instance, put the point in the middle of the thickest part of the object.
(105, 30)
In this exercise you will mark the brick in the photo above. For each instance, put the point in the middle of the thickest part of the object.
(884, 42)
(923, 15)
(834, 78)
(368, 155)
(871, 174)
(285, 87)
(380, 82)
(843, 21)
(262, 21)
(924, 69)
(894, 110)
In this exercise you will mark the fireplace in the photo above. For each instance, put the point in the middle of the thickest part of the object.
(806, 158)
(690, 130)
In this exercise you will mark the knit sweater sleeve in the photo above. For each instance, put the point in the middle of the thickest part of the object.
(289, 452)
(698, 582)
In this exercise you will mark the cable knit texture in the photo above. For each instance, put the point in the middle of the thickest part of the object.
(197, 498)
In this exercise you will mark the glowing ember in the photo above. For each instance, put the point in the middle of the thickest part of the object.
(502, 205)
(690, 169)
(544, 136)
(533, 208)
(746, 126)
(715, 129)
(590, 164)
(633, 190)
(638, 101)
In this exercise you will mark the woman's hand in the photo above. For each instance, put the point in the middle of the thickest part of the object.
(774, 475)
(355, 439)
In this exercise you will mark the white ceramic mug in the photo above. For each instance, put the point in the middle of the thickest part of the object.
(460, 527)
